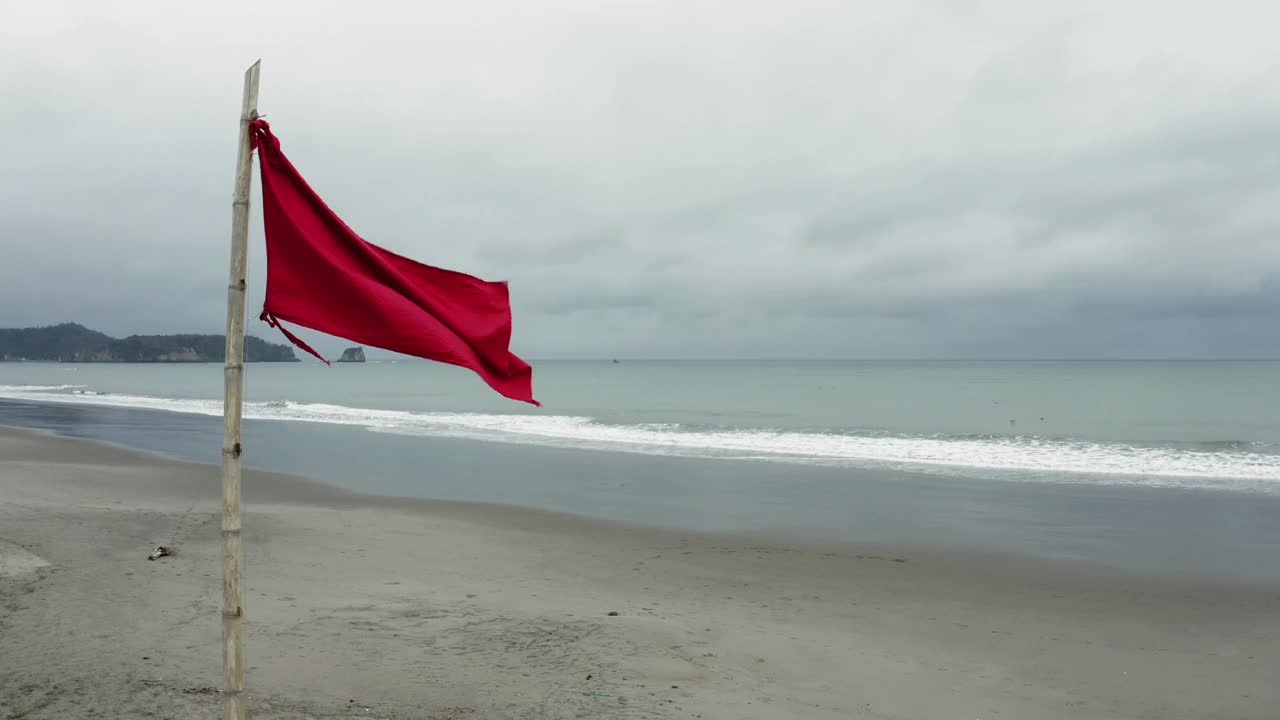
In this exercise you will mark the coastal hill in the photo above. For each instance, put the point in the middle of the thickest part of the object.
(71, 342)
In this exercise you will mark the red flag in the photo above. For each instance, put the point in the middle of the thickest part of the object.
(323, 276)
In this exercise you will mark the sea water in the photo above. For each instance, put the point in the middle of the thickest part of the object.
(1176, 464)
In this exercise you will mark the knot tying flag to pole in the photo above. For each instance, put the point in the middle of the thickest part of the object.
(322, 275)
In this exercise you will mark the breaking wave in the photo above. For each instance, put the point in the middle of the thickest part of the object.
(1230, 466)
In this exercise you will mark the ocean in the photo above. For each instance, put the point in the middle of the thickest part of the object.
(1169, 467)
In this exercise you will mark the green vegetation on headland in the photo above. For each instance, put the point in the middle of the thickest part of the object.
(71, 342)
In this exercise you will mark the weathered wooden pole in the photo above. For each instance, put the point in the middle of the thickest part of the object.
(233, 399)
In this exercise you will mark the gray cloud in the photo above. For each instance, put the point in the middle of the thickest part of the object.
(934, 178)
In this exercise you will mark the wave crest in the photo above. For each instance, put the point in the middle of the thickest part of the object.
(1215, 466)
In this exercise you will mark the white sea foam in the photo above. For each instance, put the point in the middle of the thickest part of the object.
(1012, 457)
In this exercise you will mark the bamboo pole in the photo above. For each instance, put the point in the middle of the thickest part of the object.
(232, 550)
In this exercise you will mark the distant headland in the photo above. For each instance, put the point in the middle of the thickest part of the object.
(72, 342)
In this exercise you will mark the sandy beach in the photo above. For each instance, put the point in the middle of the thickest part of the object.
(361, 606)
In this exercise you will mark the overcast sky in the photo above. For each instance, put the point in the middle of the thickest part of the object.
(737, 178)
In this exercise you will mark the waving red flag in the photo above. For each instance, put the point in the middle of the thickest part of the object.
(323, 276)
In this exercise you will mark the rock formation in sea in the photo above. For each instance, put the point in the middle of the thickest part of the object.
(355, 354)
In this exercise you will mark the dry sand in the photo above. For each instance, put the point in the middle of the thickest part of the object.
(388, 608)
